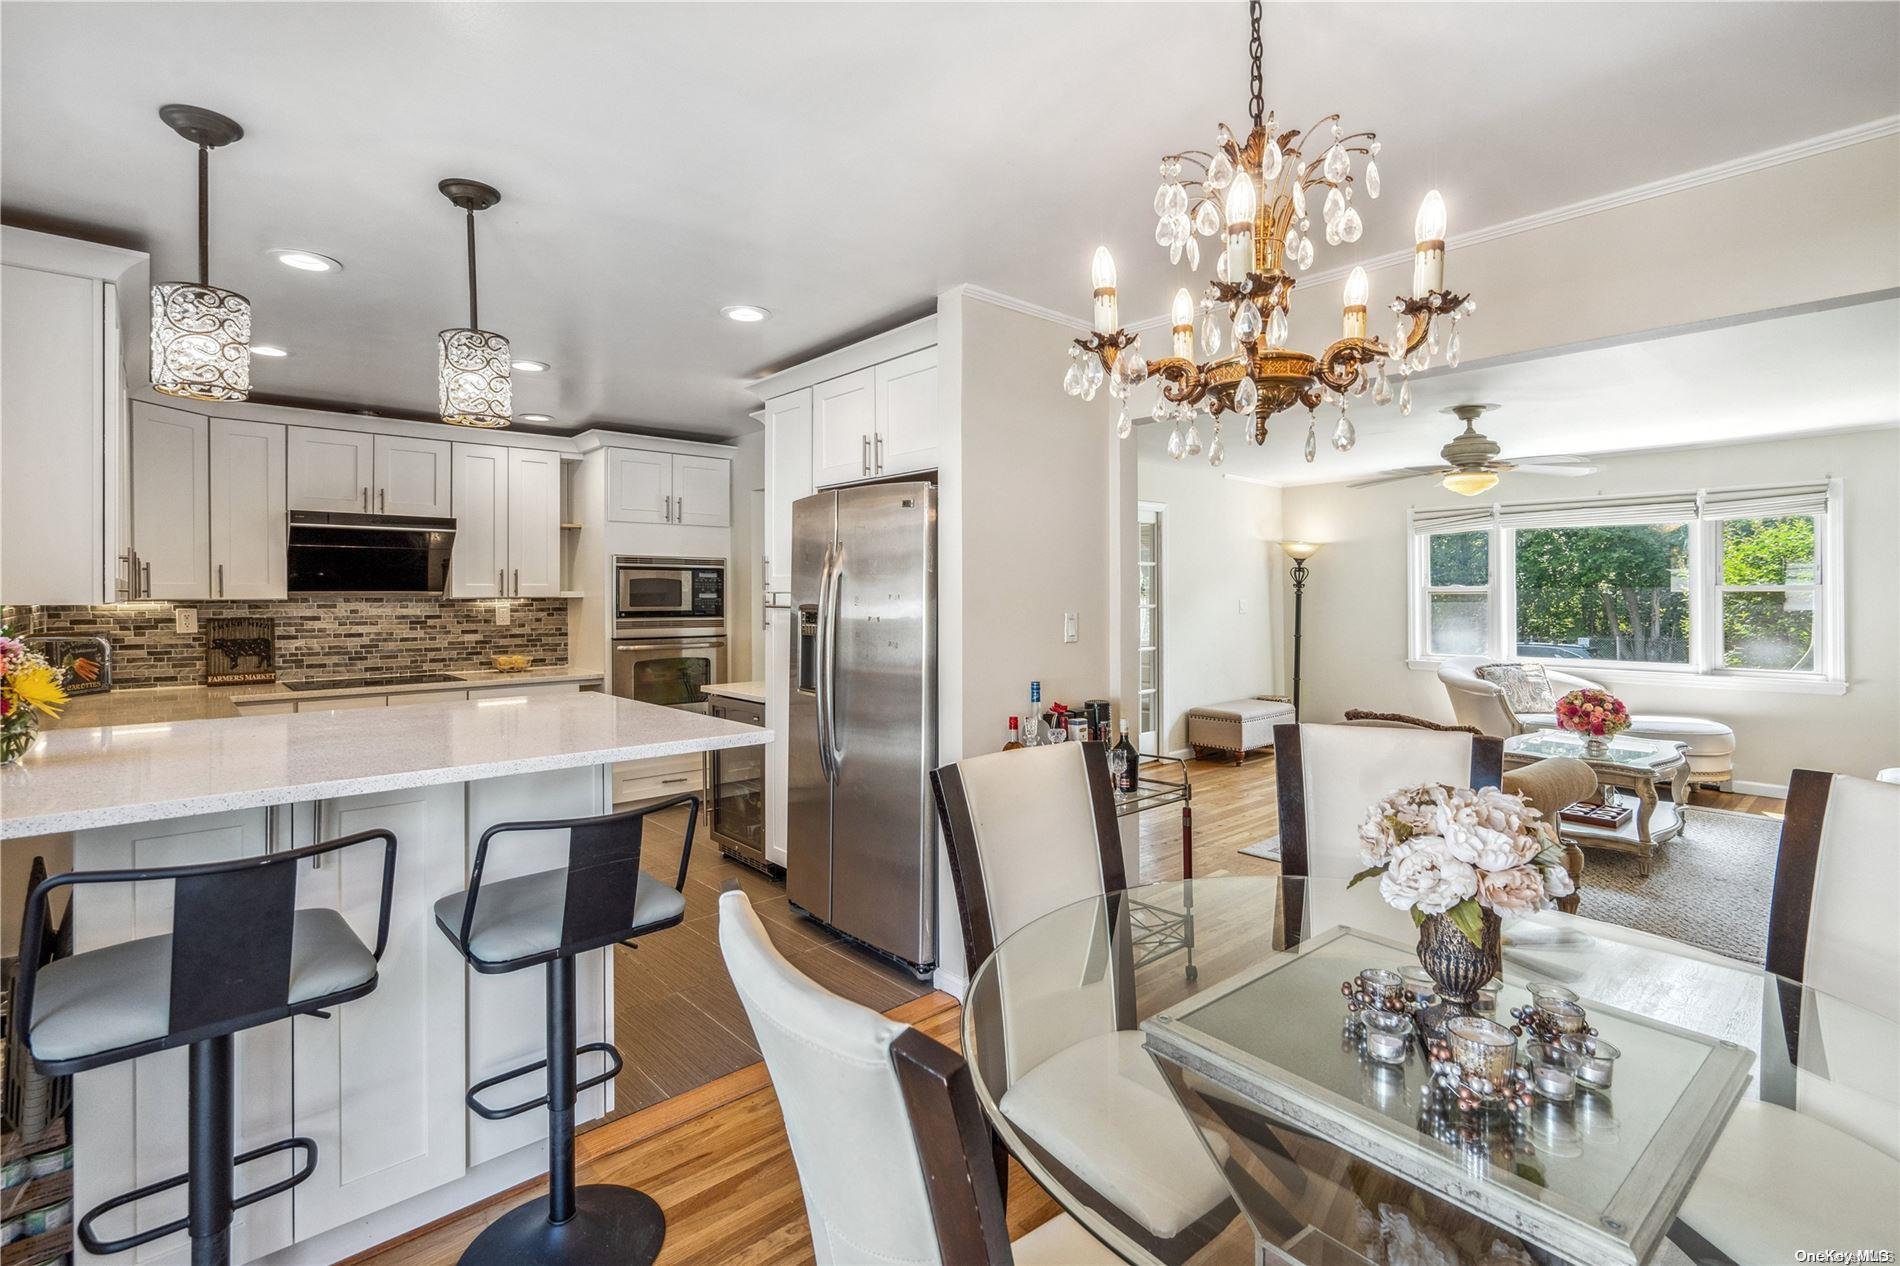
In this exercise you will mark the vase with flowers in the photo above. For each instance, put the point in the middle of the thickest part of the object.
(30, 687)
(1597, 715)
(1457, 858)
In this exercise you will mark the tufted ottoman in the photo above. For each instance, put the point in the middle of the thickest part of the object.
(1237, 727)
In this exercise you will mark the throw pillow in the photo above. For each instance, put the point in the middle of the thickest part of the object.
(1526, 687)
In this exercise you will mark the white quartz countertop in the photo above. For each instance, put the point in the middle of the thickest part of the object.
(77, 779)
(750, 691)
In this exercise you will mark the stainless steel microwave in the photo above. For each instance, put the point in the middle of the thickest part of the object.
(368, 553)
(650, 591)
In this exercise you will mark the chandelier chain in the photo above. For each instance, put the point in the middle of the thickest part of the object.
(204, 215)
(1258, 102)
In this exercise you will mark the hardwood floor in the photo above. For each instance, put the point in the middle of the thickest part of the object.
(718, 1161)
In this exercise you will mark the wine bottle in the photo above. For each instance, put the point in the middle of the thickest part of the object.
(1130, 762)
(1014, 741)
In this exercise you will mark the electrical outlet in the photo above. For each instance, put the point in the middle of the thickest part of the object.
(184, 619)
(502, 614)
(1068, 626)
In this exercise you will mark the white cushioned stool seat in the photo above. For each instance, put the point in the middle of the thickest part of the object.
(521, 917)
(1084, 1103)
(1237, 726)
(1061, 1241)
(120, 995)
(1825, 1188)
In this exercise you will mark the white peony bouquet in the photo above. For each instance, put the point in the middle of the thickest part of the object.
(1459, 851)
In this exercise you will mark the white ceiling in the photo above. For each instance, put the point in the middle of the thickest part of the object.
(837, 164)
(1726, 384)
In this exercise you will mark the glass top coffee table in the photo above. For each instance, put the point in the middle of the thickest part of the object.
(1628, 763)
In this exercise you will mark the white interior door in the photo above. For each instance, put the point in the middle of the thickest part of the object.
(639, 486)
(412, 476)
(171, 502)
(248, 521)
(478, 567)
(907, 413)
(331, 470)
(534, 523)
(379, 1084)
(702, 491)
(843, 420)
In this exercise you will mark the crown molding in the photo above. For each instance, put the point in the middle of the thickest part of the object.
(1878, 129)
(1000, 300)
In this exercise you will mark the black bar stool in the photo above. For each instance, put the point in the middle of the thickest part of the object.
(239, 955)
(601, 898)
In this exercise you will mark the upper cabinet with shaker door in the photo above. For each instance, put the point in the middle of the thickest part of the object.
(906, 439)
(787, 478)
(702, 490)
(248, 523)
(478, 565)
(843, 428)
(639, 486)
(534, 523)
(62, 418)
(331, 470)
(171, 503)
(412, 477)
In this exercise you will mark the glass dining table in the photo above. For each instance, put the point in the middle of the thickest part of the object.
(1331, 1155)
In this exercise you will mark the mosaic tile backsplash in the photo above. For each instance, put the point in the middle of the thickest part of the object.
(318, 637)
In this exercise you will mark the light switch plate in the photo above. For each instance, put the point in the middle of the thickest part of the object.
(184, 619)
(1243, 605)
(1068, 626)
(502, 614)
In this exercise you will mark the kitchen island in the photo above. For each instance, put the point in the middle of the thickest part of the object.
(380, 1084)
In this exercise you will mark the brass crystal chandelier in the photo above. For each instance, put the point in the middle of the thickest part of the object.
(1256, 195)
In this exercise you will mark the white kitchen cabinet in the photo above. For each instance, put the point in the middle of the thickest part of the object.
(412, 477)
(788, 470)
(171, 503)
(843, 427)
(331, 470)
(639, 486)
(534, 523)
(478, 565)
(378, 1085)
(410, 698)
(526, 690)
(248, 523)
(702, 491)
(906, 438)
(130, 1119)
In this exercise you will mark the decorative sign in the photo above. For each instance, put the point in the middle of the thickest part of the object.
(240, 651)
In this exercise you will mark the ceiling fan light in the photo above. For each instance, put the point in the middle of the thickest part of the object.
(201, 341)
(473, 380)
(1469, 483)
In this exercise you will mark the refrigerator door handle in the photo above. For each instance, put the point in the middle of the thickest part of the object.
(828, 661)
(820, 685)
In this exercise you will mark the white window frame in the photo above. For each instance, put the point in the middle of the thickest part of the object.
(1705, 667)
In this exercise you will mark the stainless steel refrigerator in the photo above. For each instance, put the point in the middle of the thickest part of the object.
(860, 839)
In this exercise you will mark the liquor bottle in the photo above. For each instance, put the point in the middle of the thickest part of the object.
(1014, 742)
(1031, 732)
(1130, 762)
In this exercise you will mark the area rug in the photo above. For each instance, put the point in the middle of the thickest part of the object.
(1710, 886)
(1267, 849)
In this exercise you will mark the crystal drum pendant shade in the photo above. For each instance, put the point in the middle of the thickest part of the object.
(201, 334)
(473, 364)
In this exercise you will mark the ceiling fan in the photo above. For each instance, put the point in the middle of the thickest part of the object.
(1471, 460)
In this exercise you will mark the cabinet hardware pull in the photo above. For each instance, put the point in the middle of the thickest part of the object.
(667, 782)
(382, 501)
(145, 579)
(679, 509)
(220, 580)
(879, 449)
(517, 582)
(366, 501)
(501, 583)
(122, 584)
(866, 458)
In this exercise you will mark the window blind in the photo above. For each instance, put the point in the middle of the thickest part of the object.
(1667, 507)
(1674, 507)
(1452, 519)
(1761, 503)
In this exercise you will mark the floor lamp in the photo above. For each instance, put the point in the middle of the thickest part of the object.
(1299, 552)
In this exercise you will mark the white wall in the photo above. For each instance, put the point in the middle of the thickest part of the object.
(1356, 602)
(1220, 597)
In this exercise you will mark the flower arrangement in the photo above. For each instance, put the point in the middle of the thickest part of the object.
(1595, 714)
(29, 687)
(1460, 852)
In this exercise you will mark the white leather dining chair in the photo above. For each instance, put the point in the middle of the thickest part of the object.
(1832, 926)
(1327, 777)
(892, 1154)
(1032, 837)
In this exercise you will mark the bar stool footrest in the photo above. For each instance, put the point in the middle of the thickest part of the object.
(101, 1248)
(475, 1105)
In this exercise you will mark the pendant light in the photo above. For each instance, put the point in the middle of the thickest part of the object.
(201, 335)
(474, 362)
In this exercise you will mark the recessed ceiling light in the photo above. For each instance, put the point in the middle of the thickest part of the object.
(534, 417)
(529, 366)
(265, 349)
(306, 261)
(743, 312)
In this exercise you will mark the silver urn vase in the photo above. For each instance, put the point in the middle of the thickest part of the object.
(1457, 967)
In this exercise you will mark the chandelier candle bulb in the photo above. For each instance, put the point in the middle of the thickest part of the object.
(1102, 275)
(1357, 288)
(1428, 264)
(1184, 324)
(1241, 208)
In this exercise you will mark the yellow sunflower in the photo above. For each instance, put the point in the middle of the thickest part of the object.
(38, 688)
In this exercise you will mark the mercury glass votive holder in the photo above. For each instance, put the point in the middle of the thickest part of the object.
(1595, 1059)
(1388, 1036)
(1563, 1017)
(1553, 1082)
(1483, 1047)
(1382, 984)
(1539, 990)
